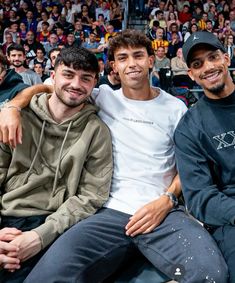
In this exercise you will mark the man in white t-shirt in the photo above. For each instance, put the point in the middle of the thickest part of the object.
(142, 214)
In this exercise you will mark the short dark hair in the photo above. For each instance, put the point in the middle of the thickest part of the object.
(129, 38)
(52, 50)
(79, 58)
(15, 46)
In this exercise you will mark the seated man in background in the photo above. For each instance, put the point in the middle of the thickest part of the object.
(61, 172)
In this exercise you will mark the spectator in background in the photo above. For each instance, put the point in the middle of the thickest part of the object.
(172, 19)
(13, 30)
(192, 28)
(173, 28)
(93, 45)
(60, 33)
(38, 69)
(111, 78)
(31, 24)
(16, 57)
(174, 45)
(69, 11)
(38, 11)
(202, 22)
(51, 43)
(78, 31)
(85, 17)
(9, 41)
(152, 31)
(45, 18)
(185, 15)
(161, 62)
(159, 16)
(24, 8)
(101, 66)
(71, 41)
(160, 41)
(110, 32)
(52, 56)
(44, 34)
(209, 26)
(180, 71)
(22, 31)
(116, 15)
(40, 58)
(55, 13)
(31, 41)
(103, 9)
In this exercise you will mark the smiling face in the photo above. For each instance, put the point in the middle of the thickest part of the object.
(132, 65)
(73, 87)
(209, 68)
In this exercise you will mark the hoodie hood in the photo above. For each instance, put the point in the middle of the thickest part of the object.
(39, 105)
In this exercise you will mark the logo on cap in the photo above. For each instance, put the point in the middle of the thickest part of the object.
(195, 38)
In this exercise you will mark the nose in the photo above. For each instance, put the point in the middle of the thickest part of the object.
(131, 61)
(76, 82)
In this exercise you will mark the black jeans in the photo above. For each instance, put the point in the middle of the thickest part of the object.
(23, 224)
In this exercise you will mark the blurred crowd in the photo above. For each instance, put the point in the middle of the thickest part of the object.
(43, 27)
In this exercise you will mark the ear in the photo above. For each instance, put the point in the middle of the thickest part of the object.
(52, 75)
(151, 61)
(227, 59)
(191, 75)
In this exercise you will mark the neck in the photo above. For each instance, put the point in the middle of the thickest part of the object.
(59, 111)
(140, 93)
(20, 69)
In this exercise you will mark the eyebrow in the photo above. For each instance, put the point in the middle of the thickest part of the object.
(208, 54)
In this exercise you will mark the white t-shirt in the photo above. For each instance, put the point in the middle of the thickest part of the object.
(143, 148)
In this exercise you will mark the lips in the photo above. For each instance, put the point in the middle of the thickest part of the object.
(212, 76)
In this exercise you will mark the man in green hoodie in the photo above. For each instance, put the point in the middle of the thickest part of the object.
(61, 172)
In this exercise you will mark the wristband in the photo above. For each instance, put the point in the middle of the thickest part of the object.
(10, 106)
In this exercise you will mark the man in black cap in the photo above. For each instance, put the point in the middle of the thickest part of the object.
(205, 143)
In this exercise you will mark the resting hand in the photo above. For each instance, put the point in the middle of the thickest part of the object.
(9, 252)
(10, 126)
(148, 217)
(29, 244)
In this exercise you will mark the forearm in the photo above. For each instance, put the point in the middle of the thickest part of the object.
(175, 186)
(23, 98)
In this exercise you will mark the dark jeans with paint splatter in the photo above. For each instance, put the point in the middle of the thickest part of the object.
(225, 238)
(96, 247)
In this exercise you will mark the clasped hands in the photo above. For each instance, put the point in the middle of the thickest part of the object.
(17, 246)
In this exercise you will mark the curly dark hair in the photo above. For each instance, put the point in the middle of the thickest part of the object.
(129, 38)
(78, 58)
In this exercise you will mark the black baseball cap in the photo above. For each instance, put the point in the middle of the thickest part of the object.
(202, 38)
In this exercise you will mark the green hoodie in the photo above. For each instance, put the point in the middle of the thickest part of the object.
(60, 170)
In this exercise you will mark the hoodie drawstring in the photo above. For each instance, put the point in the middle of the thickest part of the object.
(60, 154)
(37, 151)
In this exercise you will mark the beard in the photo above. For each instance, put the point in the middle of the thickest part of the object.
(70, 103)
(217, 89)
(18, 64)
